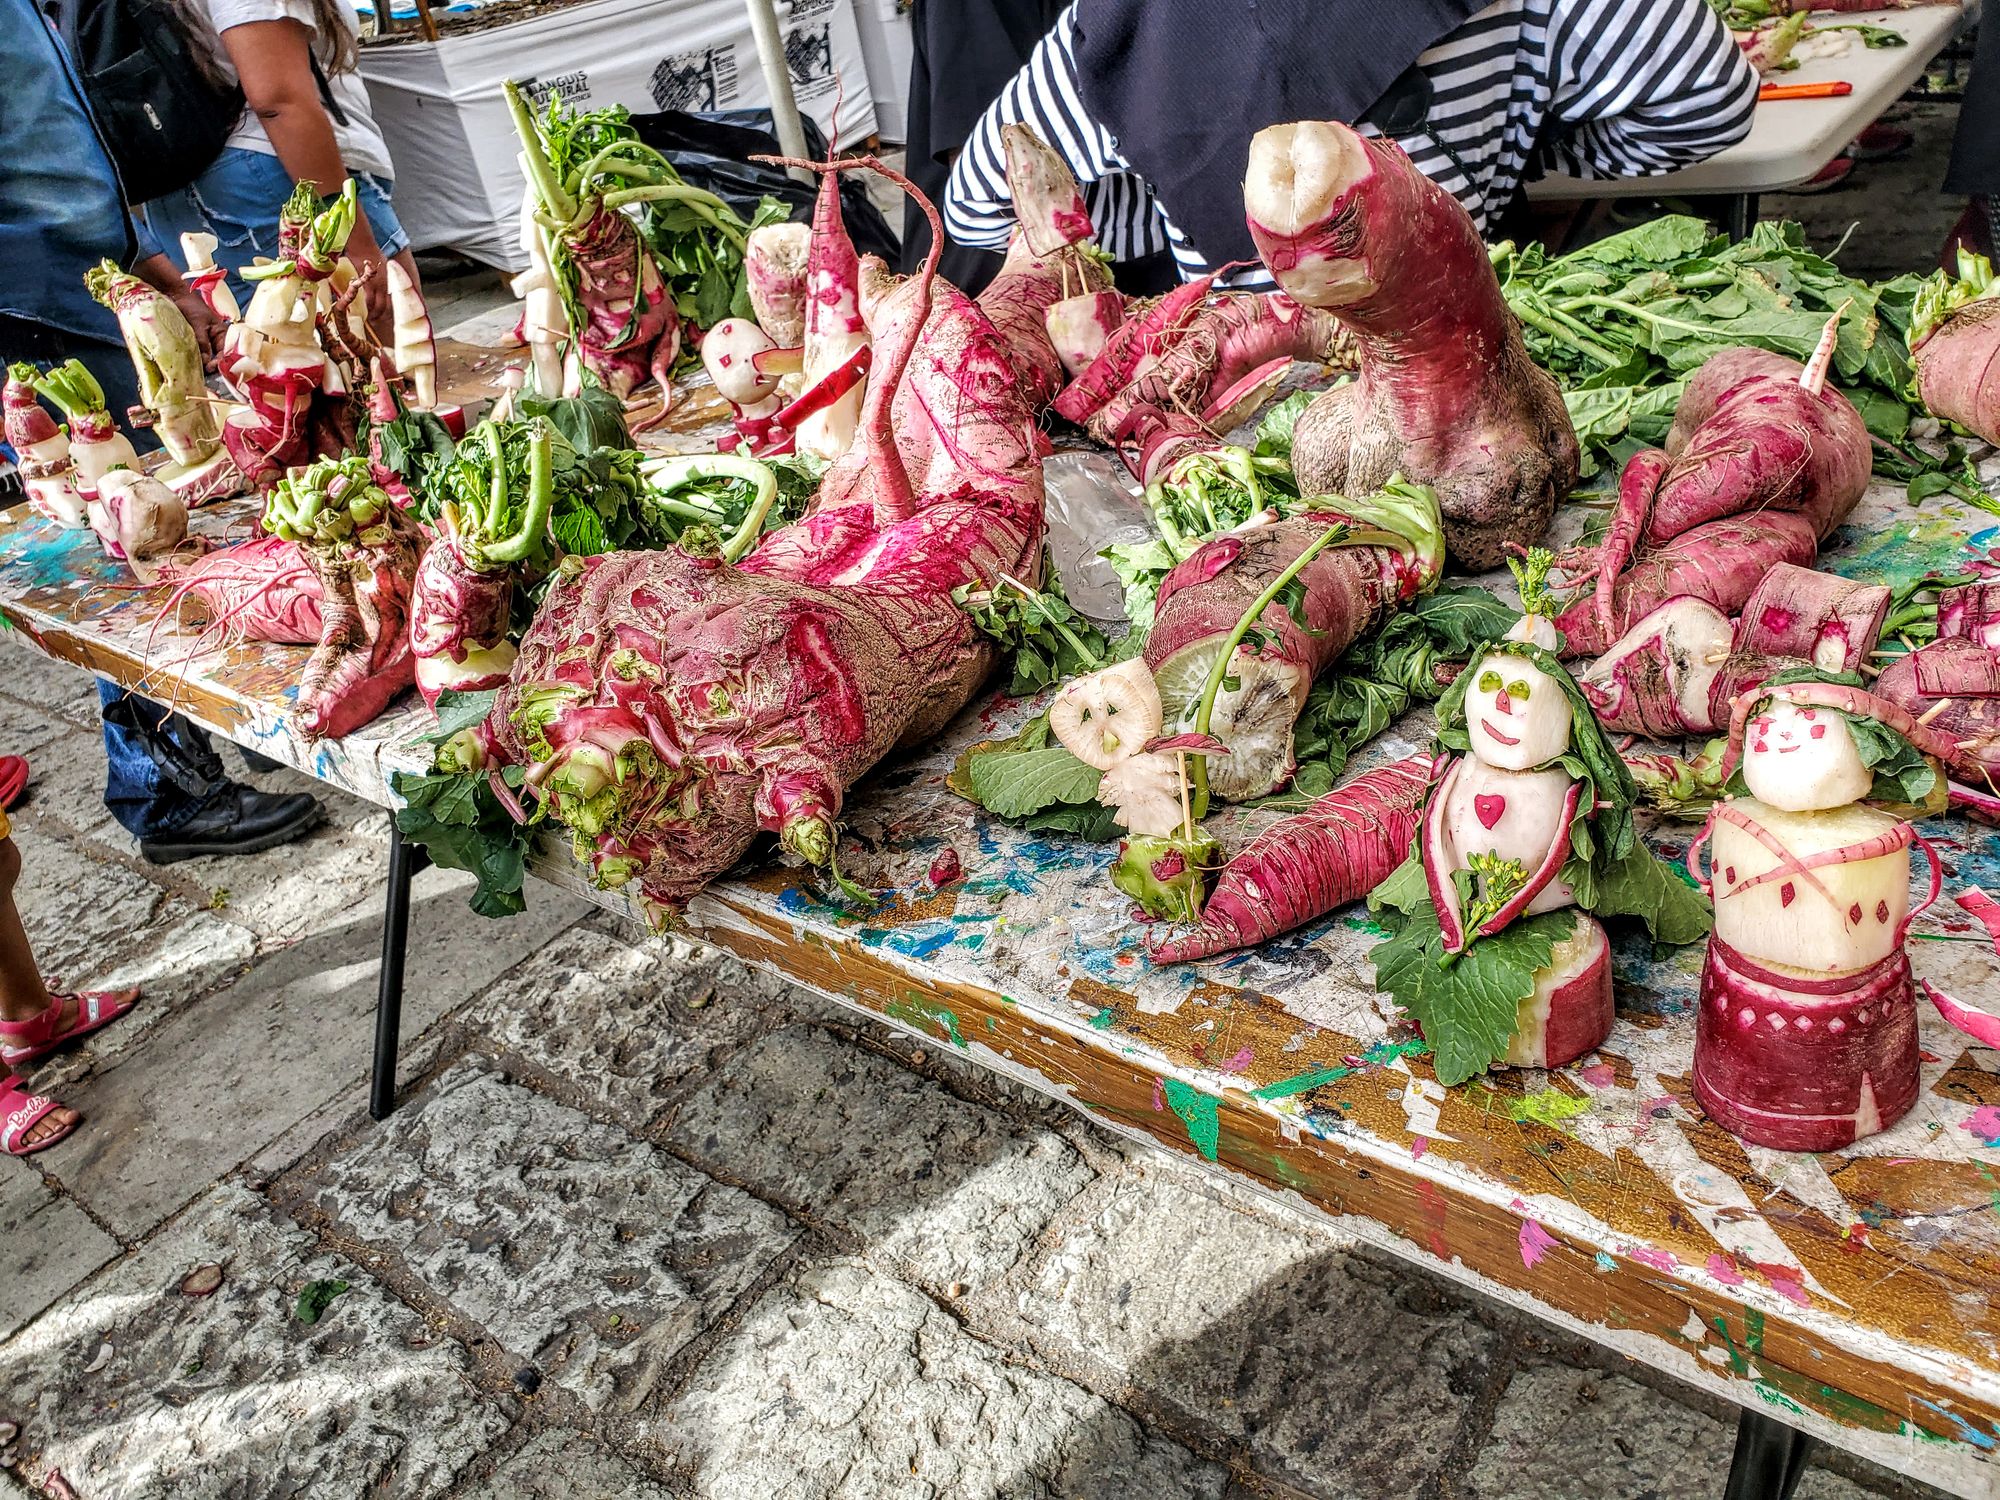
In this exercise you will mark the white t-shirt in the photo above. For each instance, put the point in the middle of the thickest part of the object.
(362, 148)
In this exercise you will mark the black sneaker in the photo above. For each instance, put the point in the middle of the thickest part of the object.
(238, 819)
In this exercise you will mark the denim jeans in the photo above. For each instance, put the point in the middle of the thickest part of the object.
(161, 770)
(237, 200)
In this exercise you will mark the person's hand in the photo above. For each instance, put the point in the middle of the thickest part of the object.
(202, 319)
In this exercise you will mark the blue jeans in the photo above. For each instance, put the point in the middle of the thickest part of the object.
(161, 770)
(237, 200)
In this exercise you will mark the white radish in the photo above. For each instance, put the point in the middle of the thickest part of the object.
(1820, 892)
(1515, 815)
(1144, 793)
(729, 353)
(1657, 677)
(1799, 758)
(774, 269)
(1107, 716)
(210, 280)
(1516, 715)
(1570, 1010)
(1079, 327)
(415, 350)
(138, 519)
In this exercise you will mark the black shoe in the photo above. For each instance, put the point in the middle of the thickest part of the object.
(261, 764)
(238, 819)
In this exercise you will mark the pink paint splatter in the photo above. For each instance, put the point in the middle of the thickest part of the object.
(1535, 1243)
(1985, 1123)
(1419, 1144)
(1238, 1063)
(1659, 1107)
(1659, 1260)
(1791, 1291)
(1599, 1075)
(1159, 1097)
(1723, 1271)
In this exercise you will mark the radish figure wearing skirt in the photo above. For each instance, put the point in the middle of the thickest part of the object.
(1807, 1036)
(1526, 840)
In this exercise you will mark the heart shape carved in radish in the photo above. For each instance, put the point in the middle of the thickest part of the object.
(1488, 808)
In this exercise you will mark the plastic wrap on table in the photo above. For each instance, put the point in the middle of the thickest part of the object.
(1092, 503)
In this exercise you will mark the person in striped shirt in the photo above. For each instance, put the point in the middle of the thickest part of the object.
(1153, 103)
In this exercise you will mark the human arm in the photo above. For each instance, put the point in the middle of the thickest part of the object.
(978, 205)
(1642, 86)
(273, 61)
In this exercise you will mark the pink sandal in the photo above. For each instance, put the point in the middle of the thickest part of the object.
(21, 1112)
(24, 1041)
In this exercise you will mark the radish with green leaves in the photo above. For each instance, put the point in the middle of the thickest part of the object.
(96, 446)
(1952, 686)
(1955, 342)
(41, 451)
(1526, 839)
(1806, 1038)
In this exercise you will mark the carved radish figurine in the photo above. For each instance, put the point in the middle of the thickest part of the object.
(1534, 809)
(1807, 1037)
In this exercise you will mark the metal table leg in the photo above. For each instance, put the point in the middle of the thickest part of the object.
(1740, 215)
(1769, 1460)
(405, 860)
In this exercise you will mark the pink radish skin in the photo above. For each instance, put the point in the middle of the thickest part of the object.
(1636, 488)
(1965, 730)
(1958, 368)
(1720, 564)
(260, 590)
(1435, 856)
(363, 659)
(1819, 618)
(1127, 349)
(1572, 1010)
(1971, 613)
(458, 623)
(1983, 1026)
(1080, 326)
(834, 332)
(1655, 680)
(1447, 394)
(1307, 865)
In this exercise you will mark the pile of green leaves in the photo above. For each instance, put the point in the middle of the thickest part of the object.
(1034, 783)
(1406, 662)
(1748, 15)
(459, 822)
(1624, 322)
(698, 241)
(1049, 640)
(596, 506)
(1204, 495)
(1467, 1002)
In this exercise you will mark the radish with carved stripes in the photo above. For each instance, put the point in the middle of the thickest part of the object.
(41, 449)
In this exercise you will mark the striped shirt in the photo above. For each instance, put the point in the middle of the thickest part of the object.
(1595, 88)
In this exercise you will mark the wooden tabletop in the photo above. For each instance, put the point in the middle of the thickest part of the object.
(1850, 1294)
(1791, 139)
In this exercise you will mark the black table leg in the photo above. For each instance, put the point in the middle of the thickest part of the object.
(405, 860)
(1740, 216)
(1770, 1458)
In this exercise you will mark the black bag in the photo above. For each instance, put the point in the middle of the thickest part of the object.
(713, 151)
(162, 120)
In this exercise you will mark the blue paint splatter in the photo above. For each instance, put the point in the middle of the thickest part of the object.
(1985, 1441)
(1605, 1262)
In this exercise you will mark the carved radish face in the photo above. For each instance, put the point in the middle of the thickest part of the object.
(1802, 759)
(1516, 715)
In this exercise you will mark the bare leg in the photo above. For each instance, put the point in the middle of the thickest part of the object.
(23, 996)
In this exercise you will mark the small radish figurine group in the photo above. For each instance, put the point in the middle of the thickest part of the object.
(1807, 1036)
(1527, 832)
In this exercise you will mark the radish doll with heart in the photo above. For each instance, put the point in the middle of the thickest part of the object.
(1807, 1037)
(1526, 839)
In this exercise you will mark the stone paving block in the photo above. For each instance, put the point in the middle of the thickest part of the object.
(83, 913)
(843, 1384)
(954, 1190)
(305, 886)
(66, 787)
(230, 1395)
(52, 687)
(209, 1086)
(1260, 1331)
(596, 1256)
(47, 1245)
(566, 1466)
(624, 1025)
(1562, 1431)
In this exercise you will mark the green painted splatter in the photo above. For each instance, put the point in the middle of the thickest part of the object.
(1103, 1019)
(918, 1010)
(1377, 1056)
(1549, 1107)
(1198, 1112)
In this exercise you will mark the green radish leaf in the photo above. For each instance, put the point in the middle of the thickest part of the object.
(1468, 1006)
(315, 1298)
(1274, 431)
(1013, 784)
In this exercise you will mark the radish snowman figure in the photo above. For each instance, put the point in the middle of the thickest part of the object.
(1527, 838)
(1807, 1036)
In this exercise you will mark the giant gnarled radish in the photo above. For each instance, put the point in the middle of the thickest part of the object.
(1446, 394)
(1955, 344)
(1806, 1037)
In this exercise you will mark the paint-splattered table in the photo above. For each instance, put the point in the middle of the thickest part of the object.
(1848, 1295)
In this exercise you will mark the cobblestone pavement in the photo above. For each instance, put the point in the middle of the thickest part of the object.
(651, 1225)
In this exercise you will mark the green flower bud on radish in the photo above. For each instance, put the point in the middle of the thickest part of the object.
(1107, 716)
(1801, 759)
(1516, 715)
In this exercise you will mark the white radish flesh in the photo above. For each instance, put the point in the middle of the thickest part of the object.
(1656, 678)
(138, 519)
(1107, 716)
(1802, 759)
(1516, 715)
(416, 349)
(1832, 917)
(1570, 1010)
(1144, 793)
(774, 267)
(729, 353)
(1535, 630)
(1515, 815)
(1296, 175)
(1080, 326)
(199, 252)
